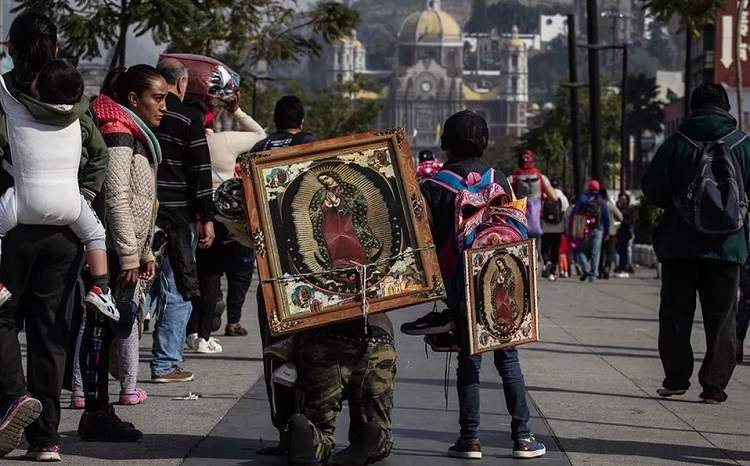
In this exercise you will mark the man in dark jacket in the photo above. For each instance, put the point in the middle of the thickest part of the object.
(694, 263)
(185, 193)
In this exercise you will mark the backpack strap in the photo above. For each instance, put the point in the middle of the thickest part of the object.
(687, 139)
(732, 139)
(454, 182)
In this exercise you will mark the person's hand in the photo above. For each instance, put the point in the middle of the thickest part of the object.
(130, 276)
(206, 235)
(234, 105)
(147, 271)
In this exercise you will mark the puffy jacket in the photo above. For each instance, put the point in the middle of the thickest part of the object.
(674, 238)
(130, 183)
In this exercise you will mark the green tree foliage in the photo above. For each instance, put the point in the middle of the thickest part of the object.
(479, 21)
(337, 111)
(273, 30)
(551, 138)
(87, 25)
(693, 14)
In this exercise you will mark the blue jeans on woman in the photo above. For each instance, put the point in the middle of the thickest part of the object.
(467, 383)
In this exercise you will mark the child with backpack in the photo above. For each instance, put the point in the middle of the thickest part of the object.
(464, 139)
(589, 220)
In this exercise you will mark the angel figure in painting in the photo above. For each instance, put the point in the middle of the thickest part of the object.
(338, 212)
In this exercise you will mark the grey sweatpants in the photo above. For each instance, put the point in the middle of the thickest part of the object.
(127, 361)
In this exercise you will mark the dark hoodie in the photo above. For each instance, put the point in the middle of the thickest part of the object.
(94, 157)
(674, 238)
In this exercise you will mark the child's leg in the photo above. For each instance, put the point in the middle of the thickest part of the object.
(127, 354)
(91, 232)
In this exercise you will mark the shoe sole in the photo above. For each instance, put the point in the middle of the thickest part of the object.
(530, 454)
(47, 457)
(159, 380)
(466, 455)
(445, 328)
(12, 429)
(115, 317)
(664, 393)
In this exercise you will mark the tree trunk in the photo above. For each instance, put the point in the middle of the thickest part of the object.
(738, 63)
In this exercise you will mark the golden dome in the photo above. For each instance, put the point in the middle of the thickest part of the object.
(429, 26)
(514, 40)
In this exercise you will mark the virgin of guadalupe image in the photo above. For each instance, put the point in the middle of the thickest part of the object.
(338, 212)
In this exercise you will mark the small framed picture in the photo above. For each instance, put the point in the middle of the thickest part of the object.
(340, 230)
(501, 296)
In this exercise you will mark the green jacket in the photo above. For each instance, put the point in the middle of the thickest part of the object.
(674, 238)
(94, 155)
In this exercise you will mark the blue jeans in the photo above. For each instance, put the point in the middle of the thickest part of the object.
(467, 383)
(172, 316)
(590, 249)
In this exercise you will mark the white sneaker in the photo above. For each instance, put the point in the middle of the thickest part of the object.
(622, 275)
(210, 347)
(552, 277)
(103, 302)
(4, 294)
(192, 341)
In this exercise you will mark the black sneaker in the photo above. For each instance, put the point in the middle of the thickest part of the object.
(466, 449)
(430, 324)
(103, 425)
(442, 342)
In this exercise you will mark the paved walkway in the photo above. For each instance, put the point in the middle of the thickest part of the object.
(591, 383)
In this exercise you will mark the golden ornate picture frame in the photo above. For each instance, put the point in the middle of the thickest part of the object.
(501, 296)
(329, 215)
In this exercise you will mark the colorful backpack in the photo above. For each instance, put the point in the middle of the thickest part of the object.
(531, 186)
(485, 215)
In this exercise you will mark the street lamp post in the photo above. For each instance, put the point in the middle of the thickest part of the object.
(624, 138)
(255, 89)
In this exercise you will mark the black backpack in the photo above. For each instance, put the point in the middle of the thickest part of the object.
(594, 211)
(711, 197)
(552, 212)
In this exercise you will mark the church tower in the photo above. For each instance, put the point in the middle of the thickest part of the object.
(515, 84)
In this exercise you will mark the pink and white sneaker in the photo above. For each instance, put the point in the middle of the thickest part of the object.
(44, 454)
(4, 294)
(133, 397)
(103, 302)
(77, 401)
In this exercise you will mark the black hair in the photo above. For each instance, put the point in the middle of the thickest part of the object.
(555, 184)
(122, 81)
(34, 40)
(59, 82)
(288, 113)
(627, 196)
(196, 104)
(465, 135)
(709, 94)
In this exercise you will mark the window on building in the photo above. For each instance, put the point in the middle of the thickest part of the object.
(514, 84)
(339, 78)
(452, 58)
(514, 60)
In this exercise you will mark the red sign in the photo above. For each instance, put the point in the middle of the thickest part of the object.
(726, 58)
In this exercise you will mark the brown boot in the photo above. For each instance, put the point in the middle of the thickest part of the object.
(234, 330)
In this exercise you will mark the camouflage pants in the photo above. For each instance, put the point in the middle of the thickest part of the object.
(335, 369)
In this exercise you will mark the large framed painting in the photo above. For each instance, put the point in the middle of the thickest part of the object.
(501, 296)
(340, 230)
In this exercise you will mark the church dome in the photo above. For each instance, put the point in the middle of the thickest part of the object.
(431, 25)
